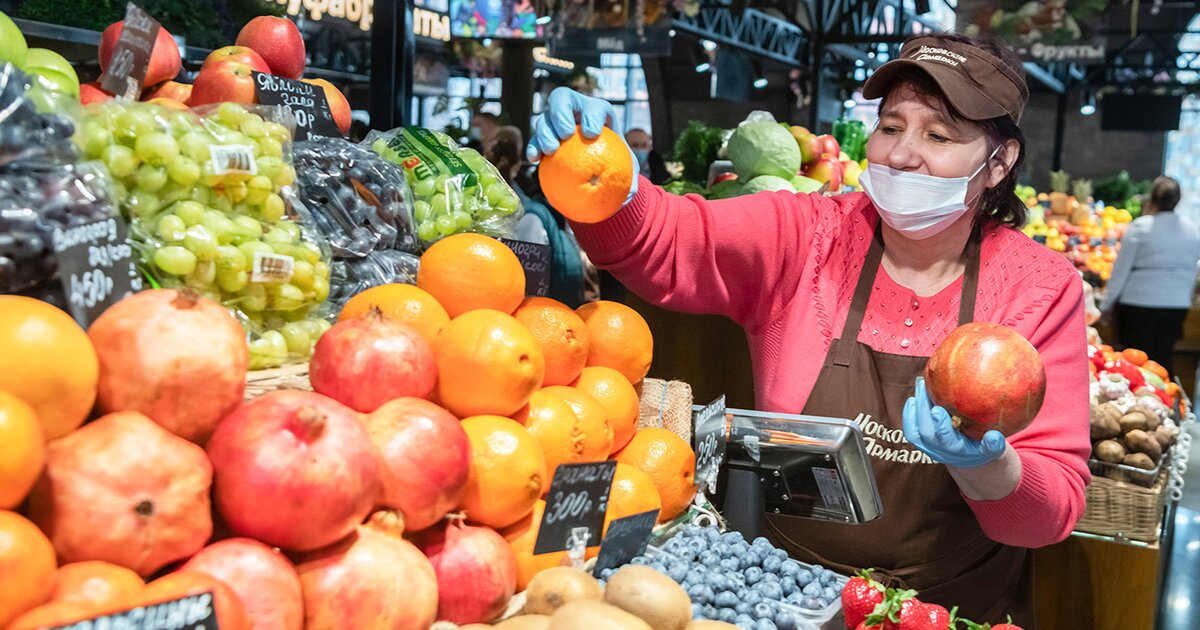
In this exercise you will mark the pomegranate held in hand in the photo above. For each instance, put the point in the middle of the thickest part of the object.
(476, 571)
(366, 361)
(262, 578)
(425, 459)
(294, 469)
(372, 580)
(179, 358)
(987, 376)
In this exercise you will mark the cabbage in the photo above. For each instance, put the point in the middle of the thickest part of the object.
(805, 184)
(767, 182)
(763, 147)
(726, 189)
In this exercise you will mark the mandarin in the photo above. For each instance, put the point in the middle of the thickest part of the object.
(488, 363)
(671, 464)
(22, 450)
(593, 422)
(48, 361)
(403, 303)
(587, 180)
(619, 398)
(552, 422)
(619, 338)
(561, 334)
(468, 271)
(508, 471)
(27, 566)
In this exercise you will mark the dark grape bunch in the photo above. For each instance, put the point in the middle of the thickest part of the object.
(351, 276)
(750, 584)
(358, 200)
(28, 136)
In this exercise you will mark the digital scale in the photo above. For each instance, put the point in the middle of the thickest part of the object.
(796, 465)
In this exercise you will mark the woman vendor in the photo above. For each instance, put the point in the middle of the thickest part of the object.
(844, 298)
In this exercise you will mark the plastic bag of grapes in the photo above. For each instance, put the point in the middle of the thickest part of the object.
(455, 188)
(353, 276)
(211, 203)
(34, 130)
(360, 202)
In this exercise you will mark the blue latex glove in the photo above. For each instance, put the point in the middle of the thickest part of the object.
(565, 109)
(929, 428)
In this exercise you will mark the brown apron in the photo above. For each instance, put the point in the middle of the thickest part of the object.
(928, 538)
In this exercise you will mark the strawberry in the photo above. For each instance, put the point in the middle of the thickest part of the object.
(1009, 625)
(860, 597)
(918, 615)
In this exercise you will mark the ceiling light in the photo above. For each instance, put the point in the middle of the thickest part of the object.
(708, 44)
(703, 66)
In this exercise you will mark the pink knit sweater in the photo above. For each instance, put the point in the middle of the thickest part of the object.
(784, 267)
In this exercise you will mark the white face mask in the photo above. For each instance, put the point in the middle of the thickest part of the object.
(918, 206)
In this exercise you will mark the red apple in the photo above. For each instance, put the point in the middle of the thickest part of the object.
(227, 81)
(826, 170)
(164, 58)
(278, 41)
(827, 146)
(173, 90)
(240, 54)
(338, 105)
(92, 93)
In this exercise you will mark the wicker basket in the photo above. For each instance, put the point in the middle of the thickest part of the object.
(294, 376)
(666, 404)
(1124, 510)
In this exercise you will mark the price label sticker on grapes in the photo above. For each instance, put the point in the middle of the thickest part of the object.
(272, 268)
(708, 439)
(191, 612)
(535, 259)
(227, 159)
(131, 55)
(95, 263)
(306, 101)
(578, 497)
(625, 540)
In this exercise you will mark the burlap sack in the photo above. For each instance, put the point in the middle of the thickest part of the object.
(666, 404)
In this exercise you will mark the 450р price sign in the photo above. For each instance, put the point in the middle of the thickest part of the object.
(578, 498)
(95, 263)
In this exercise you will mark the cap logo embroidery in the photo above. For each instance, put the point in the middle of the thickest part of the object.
(939, 54)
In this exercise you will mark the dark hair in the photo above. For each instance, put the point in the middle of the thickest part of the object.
(1001, 201)
(488, 116)
(1165, 194)
(506, 151)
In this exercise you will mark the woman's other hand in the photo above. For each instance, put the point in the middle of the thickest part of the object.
(565, 109)
(929, 428)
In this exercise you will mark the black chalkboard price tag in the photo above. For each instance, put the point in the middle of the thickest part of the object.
(535, 258)
(95, 263)
(708, 439)
(578, 497)
(131, 55)
(625, 540)
(191, 612)
(306, 101)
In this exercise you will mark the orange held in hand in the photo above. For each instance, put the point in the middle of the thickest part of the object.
(588, 180)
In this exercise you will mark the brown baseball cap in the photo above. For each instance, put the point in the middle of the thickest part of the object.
(977, 83)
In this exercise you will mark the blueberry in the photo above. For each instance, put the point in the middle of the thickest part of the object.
(692, 530)
(811, 603)
(726, 614)
(711, 612)
(708, 595)
(673, 545)
(752, 597)
(743, 608)
(770, 577)
(750, 559)
(697, 611)
(772, 590)
(764, 624)
(812, 589)
(795, 599)
(772, 564)
(829, 594)
(698, 546)
(677, 571)
(785, 620)
(781, 554)
(721, 549)
(829, 578)
(694, 590)
(709, 558)
(789, 567)
(725, 599)
(695, 574)
(818, 569)
(730, 565)
(764, 610)
(789, 585)
(712, 534)
(753, 575)
(804, 577)
(640, 560)
(733, 537)
(762, 543)
(606, 573)
(718, 581)
(744, 621)
(658, 566)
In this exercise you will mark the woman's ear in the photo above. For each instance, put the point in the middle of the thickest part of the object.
(999, 166)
